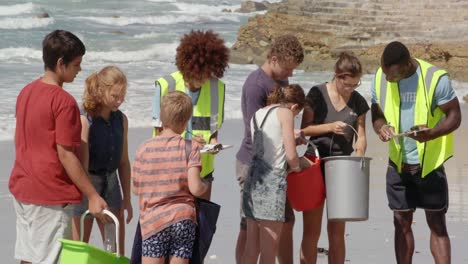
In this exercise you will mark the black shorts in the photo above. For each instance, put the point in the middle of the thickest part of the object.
(408, 191)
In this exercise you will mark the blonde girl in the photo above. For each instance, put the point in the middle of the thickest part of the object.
(104, 148)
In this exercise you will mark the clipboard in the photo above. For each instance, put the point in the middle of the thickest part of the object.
(413, 131)
(209, 148)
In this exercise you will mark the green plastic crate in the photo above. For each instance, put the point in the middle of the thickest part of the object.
(77, 252)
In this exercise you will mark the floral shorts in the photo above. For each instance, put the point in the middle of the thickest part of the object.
(175, 240)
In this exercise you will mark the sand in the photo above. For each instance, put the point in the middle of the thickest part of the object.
(367, 242)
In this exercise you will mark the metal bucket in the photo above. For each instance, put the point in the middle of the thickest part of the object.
(347, 187)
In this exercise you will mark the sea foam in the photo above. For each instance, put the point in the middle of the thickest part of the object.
(25, 23)
(11, 10)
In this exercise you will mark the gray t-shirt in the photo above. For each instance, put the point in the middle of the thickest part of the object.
(331, 144)
(255, 91)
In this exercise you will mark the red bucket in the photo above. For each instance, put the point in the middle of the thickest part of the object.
(306, 189)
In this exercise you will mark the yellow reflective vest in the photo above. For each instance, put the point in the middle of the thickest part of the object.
(432, 154)
(208, 113)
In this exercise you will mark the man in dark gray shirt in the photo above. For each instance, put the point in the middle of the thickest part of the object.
(285, 54)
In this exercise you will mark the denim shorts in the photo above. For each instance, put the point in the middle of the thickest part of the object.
(108, 187)
(242, 171)
(175, 240)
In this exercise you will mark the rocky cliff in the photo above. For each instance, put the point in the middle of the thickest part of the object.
(434, 30)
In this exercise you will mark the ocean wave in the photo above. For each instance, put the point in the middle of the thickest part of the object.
(157, 20)
(11, 10)
(162, 1)
(20, 53)
(160, 51)
(25, 23)
(187, 8)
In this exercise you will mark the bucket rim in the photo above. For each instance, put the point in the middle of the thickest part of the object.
(345, 158)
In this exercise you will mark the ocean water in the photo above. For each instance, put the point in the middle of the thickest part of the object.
(139, 36)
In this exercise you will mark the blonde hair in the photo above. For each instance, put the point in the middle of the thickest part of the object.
(290, 94)
(176, 109)
(98, 83)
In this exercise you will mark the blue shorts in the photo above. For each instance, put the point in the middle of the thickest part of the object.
(108, 187)
(175, 240)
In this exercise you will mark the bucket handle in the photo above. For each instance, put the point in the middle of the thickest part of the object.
(333, 136)
(117, 229)
(315, 149)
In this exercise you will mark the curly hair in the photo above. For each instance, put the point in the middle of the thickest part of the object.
(98, 83)
(287, 49)
(292, 93)
(202, 55)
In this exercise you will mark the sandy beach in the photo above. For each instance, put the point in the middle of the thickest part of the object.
(367, 242)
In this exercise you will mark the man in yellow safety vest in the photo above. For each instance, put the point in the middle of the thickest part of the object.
(409, 94)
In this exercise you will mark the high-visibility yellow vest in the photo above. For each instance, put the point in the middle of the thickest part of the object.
(208, 113)
(432, 154)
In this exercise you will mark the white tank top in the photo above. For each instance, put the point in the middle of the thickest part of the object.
(273, 145)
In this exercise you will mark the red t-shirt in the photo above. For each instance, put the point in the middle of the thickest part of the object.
(46, 115)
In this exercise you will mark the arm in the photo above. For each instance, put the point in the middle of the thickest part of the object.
(446, 126)
(124, 174)
(196, 186)
(79, 177)
(286, 119)
(361, 142)
(156, 111)
(379, 123)
(84, 148)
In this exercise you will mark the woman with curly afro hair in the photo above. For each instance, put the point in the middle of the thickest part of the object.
(201, 59)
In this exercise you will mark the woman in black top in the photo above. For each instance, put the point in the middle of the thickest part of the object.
(334, 113)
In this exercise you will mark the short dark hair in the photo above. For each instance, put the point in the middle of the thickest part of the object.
(61, 44)
(395, 53)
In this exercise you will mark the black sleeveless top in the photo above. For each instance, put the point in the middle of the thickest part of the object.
(331, 144)
(105, 142)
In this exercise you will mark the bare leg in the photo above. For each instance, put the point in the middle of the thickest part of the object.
(88, 226)
(311, 233)
(177, 260)
(148, 260)
(440, 241)
(240, 246)
(285, 252)
(252, 245)
(337, 250)
(270, 232)
(404, 239)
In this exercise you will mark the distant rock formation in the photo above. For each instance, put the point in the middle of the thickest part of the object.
(251, 6)
(43, 15)
(434, 30)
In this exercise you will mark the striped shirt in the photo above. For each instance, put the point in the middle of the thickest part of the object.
(160, 180)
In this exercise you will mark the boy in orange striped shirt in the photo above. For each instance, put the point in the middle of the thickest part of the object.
(166, 177)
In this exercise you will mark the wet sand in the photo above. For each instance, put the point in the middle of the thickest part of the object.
(367, 242)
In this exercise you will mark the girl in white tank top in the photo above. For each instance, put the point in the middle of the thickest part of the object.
(264, 196)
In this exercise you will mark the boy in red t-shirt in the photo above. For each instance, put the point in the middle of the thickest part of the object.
(47, 175)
